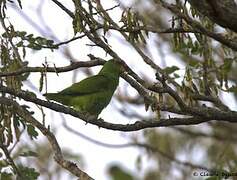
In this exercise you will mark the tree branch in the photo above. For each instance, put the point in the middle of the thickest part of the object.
(222, 12)
(197, 26)
(10, 160)
(72, 66)
(200, 115)
(136, 144)
(58, 156)
(64, 8)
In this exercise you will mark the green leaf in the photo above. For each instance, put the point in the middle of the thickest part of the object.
(16, 125)
(32, 132)
(193, 63)
(49, 42)
(3, 163)
(188, 74)
(21, 33)
(29, 153)
(30, 36)
(176, 75)
(6, 176)
(4, 35)
(27, 173)
(34, 46)
(20, 44)
(170, 70)
(232, 89)
(227, 65)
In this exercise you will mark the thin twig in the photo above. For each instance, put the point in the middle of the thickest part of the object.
(72, 66)
(64, 8)
(198, 27)
(135, 144)
(10, 160)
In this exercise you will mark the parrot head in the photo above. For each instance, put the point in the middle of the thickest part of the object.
(111, 67)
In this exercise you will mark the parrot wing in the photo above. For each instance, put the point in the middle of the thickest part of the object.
(90, 85)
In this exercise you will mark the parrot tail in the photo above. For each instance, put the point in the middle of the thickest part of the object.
(58, 97)
(51, 96)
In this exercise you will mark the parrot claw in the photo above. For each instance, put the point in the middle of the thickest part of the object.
(90, 117)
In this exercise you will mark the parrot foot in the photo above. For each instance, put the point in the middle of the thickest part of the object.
(89, 117)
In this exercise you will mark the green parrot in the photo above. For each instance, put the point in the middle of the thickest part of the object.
(93, 94)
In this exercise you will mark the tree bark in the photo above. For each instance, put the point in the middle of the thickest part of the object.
(222, 12)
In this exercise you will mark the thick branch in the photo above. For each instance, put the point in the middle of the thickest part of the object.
(200, 115)
(222, 12)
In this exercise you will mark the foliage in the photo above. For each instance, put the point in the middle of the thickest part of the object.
(193, 82)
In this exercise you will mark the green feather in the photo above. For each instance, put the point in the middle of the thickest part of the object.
(93, 94)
